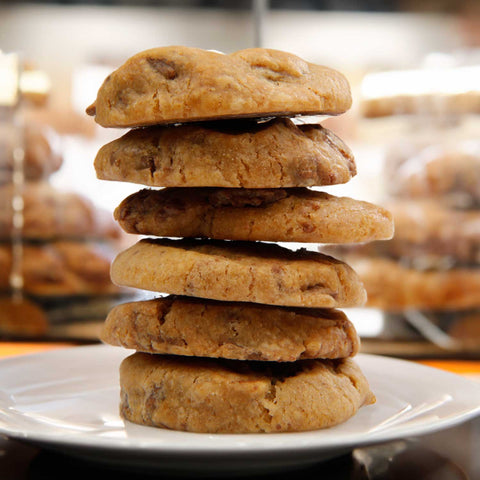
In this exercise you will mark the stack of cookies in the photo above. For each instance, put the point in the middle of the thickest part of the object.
(249, 339)
(55, 246)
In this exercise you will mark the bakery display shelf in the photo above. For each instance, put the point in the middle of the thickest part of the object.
(416, 349)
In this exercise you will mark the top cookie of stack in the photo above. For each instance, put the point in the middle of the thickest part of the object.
(249, 167)
(180, 84)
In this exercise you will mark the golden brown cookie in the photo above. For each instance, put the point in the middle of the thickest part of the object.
(181, 84)
(228, 154)
(51, 214)
(277, 215)
(238, 271)
(239, 331)
(60, 268)
(228, 396)
(391, 286)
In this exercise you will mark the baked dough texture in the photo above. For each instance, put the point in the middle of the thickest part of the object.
(238, 271)
(181, 84)
(227, 396)
(229, 154)
(277, 215)
(239, 331)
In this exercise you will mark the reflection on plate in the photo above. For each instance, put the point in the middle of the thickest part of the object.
(67, 400)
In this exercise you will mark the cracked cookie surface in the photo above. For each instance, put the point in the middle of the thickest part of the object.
(277, 215)
(230, 154)
(239, 331)
(228, 396)
(181, 84)
(238, 271)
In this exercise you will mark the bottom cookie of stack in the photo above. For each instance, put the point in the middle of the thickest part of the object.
(228, 396)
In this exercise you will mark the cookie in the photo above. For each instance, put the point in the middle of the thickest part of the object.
(41, 155)
(181, 84)
(238, 271)
(428, 228)
(60, 268)
(228, 396)
(446, 173)
(278, 215)
(392, 286)
(49, 214)
(239, 331)
(230, 154)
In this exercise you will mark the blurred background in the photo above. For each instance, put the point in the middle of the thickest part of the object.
(414, 68)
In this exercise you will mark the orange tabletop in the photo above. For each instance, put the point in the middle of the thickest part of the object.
(10, 349)
(467, 368)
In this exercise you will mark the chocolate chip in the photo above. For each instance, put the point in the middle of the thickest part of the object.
(164, 68)
(146, 162)
(245, 197)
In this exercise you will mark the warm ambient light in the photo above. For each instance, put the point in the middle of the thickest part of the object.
(9, 79)
(431, 81)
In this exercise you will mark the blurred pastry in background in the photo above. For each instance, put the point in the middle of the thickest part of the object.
(393, 287)
(66, 283)
(60, 268)
(436, 87)
(466, 329)
(426, 280)
(33, 319)
(42, 154)
(448, 173)
(427, 236)
(434, 236)
(55, 246)
(49, 214)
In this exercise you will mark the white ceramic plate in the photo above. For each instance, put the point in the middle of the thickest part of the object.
(67, 400)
